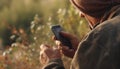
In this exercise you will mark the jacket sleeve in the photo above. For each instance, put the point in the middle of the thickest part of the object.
(54, 64)
(101, 48)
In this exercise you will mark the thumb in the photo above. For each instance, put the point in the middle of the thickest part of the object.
(67, 35)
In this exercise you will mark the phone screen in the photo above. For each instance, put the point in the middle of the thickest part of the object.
(56, 30)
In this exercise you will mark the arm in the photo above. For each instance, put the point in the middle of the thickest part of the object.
(52, 57)
(54, 64)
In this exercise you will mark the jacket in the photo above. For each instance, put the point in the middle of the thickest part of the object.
(100, 49)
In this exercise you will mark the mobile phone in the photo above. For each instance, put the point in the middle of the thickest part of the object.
(56, 29)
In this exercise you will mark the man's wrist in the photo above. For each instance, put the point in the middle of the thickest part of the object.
(56, 60)
(54, 63)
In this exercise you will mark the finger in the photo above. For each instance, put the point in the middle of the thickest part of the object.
(44, 46)
(54, 38)
(57, 42)
(59, 47)
(65, 34)
(68, 52)
(65, 48)
(43, 58)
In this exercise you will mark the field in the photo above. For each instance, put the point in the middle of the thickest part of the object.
(25, 25)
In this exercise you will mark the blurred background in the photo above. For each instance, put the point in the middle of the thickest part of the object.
(25, 24)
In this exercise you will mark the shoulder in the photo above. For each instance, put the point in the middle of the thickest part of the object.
(108, 26)
(106, 32)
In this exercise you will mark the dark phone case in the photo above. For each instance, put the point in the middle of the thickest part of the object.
(65, 41)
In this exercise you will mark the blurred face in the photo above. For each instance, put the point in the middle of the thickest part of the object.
(91, 20)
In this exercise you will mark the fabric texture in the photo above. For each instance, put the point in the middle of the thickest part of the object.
(100, 49)
(54, 64)
(94, 8)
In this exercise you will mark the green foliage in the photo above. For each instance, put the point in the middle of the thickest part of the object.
(17, 14)
(21, 57)
(71, 21)
(32, 21)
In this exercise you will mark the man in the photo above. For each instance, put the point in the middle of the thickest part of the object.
(100, 49)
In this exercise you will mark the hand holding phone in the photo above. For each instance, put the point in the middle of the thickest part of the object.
(56, 29)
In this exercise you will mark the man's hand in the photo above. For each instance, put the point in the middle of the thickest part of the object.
(65, 49)
(48, 53)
